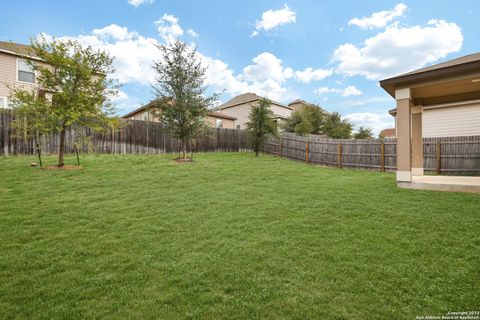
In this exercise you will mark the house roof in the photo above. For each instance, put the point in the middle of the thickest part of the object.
(468, 63)
(149, 105)
(297, 101)
(220, 115)
(247, 97)
(17, 49)
(390, 132)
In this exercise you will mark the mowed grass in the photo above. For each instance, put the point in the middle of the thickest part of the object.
(230, 237)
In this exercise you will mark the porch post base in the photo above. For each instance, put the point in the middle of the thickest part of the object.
(404, 176)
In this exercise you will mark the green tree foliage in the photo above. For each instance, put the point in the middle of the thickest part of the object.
(180, 91)
(363, 133)
(336, 127)
(261, 125)
(307, 120)
(74, 89)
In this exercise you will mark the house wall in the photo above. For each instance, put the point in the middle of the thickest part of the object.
(242, 111)
(451, 121)
(8, 75)
(143, 115)
(227, 123)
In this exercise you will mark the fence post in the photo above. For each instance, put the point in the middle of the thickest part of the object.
(307, 147)
(339, 160)
(281, 139)
(382, 157)
(438, 168)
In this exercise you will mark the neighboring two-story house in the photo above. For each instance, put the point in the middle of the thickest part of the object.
(15, 72)
(239, 107)
(213, 119)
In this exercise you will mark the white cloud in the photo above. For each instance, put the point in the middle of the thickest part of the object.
(375, 121)
(346, 92)
(266, 77)
(351, 91)
(379, 19)
(274, 18)
(192, 33)
(133, 54)
(168, 28)
(121, 101)
(309, 75)
(323, 90)
(266, 66)
(399, 49)
(136, 3)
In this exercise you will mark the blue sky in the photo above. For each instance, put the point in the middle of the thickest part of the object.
(329, 52)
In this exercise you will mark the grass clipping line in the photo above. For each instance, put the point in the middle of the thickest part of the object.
(65, 167)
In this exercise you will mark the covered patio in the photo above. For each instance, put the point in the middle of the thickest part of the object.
(452, 85)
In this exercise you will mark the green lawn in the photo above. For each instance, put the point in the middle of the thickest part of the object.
(230, 237)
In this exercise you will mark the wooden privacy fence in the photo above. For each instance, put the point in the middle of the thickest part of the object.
(131, 137)
(450, 155)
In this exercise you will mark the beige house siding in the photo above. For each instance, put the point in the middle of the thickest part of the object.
(451, 121)
(143, 115)
(242, 111)
(8, 75)
(226, 123)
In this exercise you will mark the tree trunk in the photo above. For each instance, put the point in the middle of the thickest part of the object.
(61, 152)
(184, 150)
(257, 148)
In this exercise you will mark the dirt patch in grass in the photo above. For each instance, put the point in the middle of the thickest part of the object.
(65, 167)
(184, 160)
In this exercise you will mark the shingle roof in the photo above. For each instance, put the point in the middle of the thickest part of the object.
(16, 48)
(468, 61)
(451, 63)
(244, 98)
(387, 132)
(221, 115)
(297, 101)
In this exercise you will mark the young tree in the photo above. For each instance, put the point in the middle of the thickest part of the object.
(180, 91)
(261, 125)
(336, 127)
(73, 89)
(363, 133)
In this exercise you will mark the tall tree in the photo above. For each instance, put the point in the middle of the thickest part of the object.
(261, 125)
(180, 91)
(309, 119)
(336, 127)
(74, 88)
(363, 133)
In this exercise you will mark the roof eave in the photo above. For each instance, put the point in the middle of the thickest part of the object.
(390, 84)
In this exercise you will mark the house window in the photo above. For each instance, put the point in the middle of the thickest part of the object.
(238, 126)
(25, 73)
(219, 123)
(3, 102)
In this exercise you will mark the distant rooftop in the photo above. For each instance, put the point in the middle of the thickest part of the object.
(244, 98)
(16, 48)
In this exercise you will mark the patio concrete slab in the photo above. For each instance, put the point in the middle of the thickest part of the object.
(443, 183)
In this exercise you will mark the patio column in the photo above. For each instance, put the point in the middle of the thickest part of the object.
(417, 141)
(404, 159)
